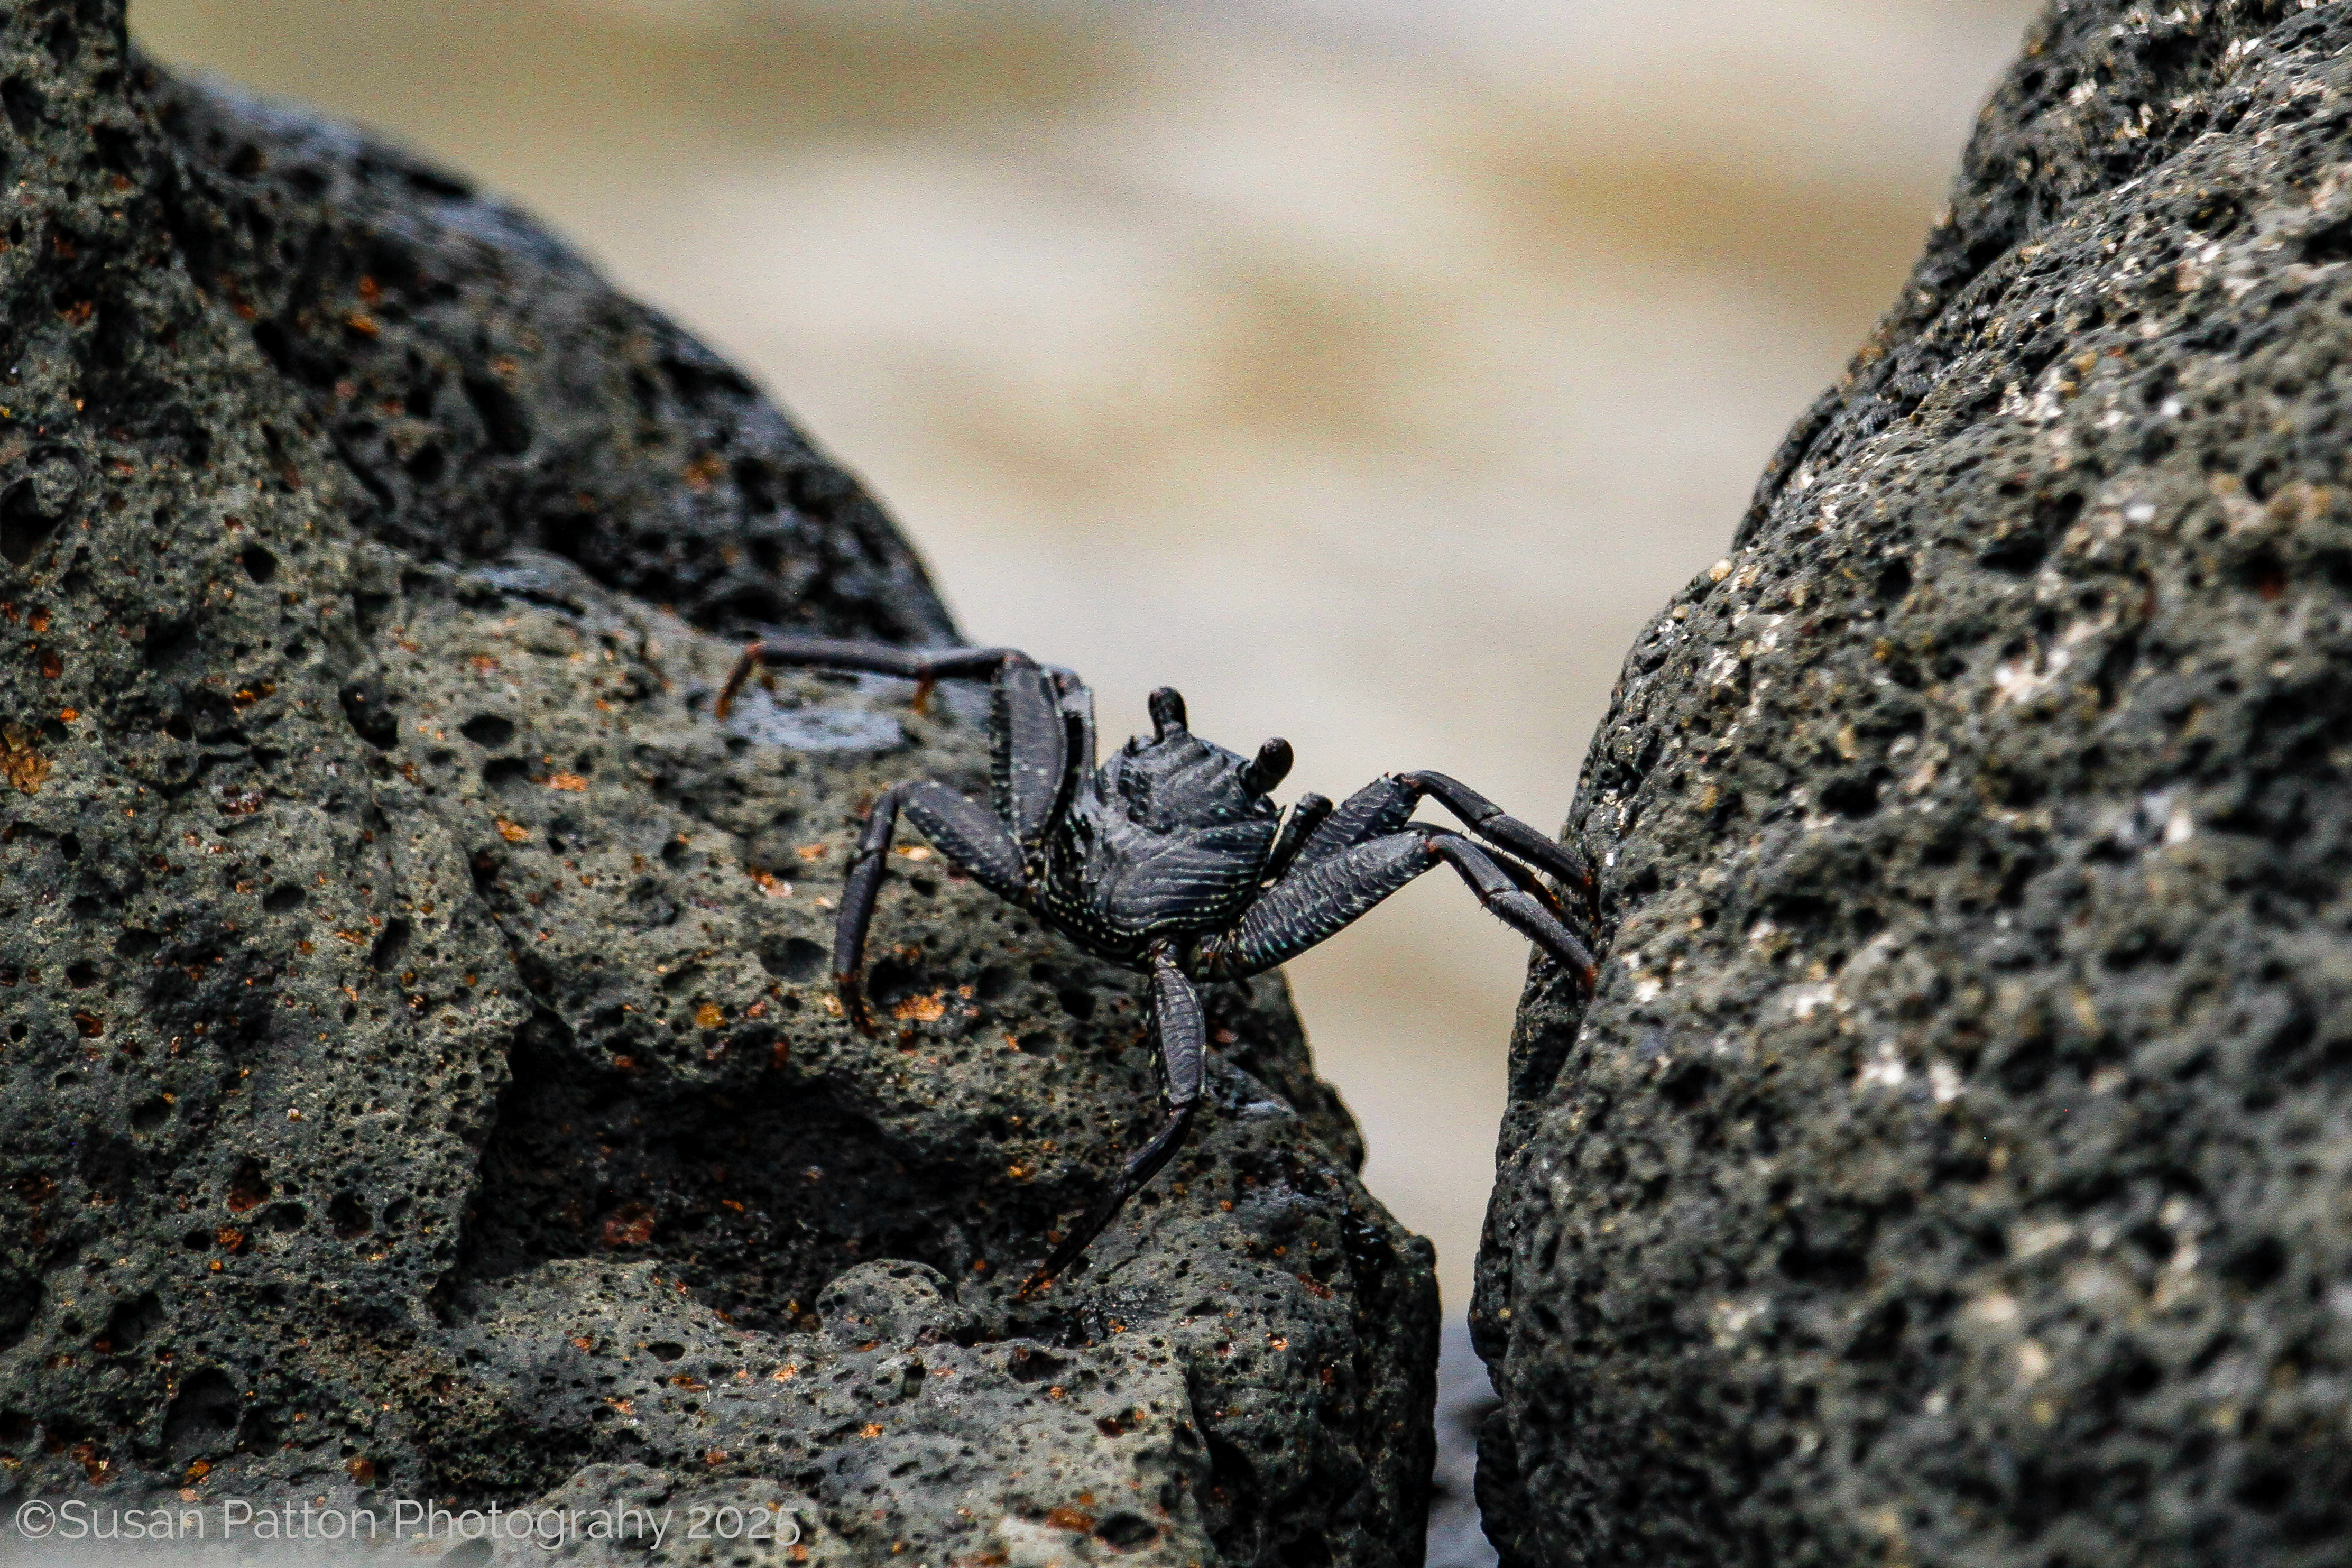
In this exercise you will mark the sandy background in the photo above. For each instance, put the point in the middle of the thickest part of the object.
(1368, 369)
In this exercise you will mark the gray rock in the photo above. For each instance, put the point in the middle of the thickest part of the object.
(1952, 1167)
(417, 1076)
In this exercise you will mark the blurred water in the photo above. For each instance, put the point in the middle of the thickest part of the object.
(1370, 370)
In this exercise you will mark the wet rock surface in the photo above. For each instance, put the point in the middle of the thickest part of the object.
(1953, 1164)
(417, 1077)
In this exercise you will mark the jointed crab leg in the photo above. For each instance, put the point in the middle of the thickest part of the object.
(1385, 805)
(923, 666)
(1321, 895)
(1183, 1034)
(965, 836)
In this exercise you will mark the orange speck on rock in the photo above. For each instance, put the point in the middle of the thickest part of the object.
(512, 832)
(813, 851)
(52, 664)
(926, 1008)
(1069, 1519)
(871, 1430)
(24, 767)
(630, 1225)
(573, 781)
(362, 1468)
(708, 1016)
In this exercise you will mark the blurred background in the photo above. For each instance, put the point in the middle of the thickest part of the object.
(1368, 369)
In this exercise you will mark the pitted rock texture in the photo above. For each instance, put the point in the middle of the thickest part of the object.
(483, 388)
(1955, 1164)
(417, 1076)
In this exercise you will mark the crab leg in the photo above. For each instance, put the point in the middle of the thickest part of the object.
(1384, 806)
(1320, 897)
(1184, 1047)
(923, 666)
(965, 836)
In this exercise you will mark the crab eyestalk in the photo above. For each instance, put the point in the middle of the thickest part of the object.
(1167, 705)
(1268, 768)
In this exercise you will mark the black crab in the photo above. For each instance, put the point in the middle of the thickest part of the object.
(1170, 859)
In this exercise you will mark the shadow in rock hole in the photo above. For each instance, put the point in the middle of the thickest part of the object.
(753, 1198)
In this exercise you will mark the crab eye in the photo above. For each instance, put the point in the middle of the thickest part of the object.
(1268, 768)
(1167, 707)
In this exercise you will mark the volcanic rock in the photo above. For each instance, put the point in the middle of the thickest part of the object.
(1955, 1164)
(418, 1076)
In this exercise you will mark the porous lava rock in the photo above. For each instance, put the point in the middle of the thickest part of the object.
(418, 1078)
(1955, 1164)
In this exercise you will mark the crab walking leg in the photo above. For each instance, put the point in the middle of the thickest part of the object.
(1319, 898)
(1514, 906)
(1183, 1047)
(924, 666)
(1031, 735)
(1040, 717)
(1383, 806)
(966, 837)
